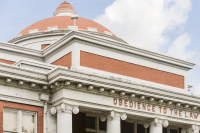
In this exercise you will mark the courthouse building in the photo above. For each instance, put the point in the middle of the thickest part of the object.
(68, 74)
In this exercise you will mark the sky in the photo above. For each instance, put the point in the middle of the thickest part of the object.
(170, 27)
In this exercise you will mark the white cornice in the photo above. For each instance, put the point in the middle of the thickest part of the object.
(20, 49)
(15, 72)
(134, 50)
(62, 73)
(21, 100)
(59, 73)
(119, 46)
(86, 37)
(60, 32)
(39, 34)
(83, 36)
(104, 35)
(36, 64)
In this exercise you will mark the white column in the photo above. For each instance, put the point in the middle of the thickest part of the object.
(156, 126)
(64, 121)
(113, 121)
(64, 117)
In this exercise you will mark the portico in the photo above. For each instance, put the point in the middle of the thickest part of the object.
(124, 113)
(118, 122)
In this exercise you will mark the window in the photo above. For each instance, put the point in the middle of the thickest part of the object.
(19, 121)
(90, 122)
(164, 130)
(95, 125)
(102, 125)
(140, 128)
(173, 131)
(129, 127)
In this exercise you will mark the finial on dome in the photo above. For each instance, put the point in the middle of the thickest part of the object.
(65, 9)
(65, 2)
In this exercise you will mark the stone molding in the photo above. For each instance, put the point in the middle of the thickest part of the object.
(65, 108)
(113, 115)
(157, 122)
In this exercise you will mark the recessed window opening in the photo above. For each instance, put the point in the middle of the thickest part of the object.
(19, 121)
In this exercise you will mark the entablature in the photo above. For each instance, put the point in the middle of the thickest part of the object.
(121, 88)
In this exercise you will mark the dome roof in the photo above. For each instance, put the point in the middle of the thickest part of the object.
(65, 5)
(62, 22)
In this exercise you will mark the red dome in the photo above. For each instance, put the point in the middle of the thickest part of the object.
(62, 22)
(65, 5)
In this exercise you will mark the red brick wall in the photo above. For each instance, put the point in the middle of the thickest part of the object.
(39, 111)
(44, 46)
(131, 70)
(7, 61)
(64, 61)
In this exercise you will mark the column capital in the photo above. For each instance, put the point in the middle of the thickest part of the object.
(146, 125)
(159, 122)
(195, 127)
(183, 130)
(191, 129)
(113, 115)
(65, 108)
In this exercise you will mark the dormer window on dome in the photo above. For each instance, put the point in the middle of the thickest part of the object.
(65, 9)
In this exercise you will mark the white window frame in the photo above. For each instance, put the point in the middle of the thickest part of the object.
(19, 119)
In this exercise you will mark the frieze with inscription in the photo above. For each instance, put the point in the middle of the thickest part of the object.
(155, 109)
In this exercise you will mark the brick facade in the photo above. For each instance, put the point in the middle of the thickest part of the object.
(131, 70)
(39, 111)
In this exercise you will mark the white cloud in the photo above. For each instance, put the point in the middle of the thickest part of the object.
(195, 89)
(179, 47)
(150, 24)
(144, 23)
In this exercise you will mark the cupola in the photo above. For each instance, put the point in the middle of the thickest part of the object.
(65, 9)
